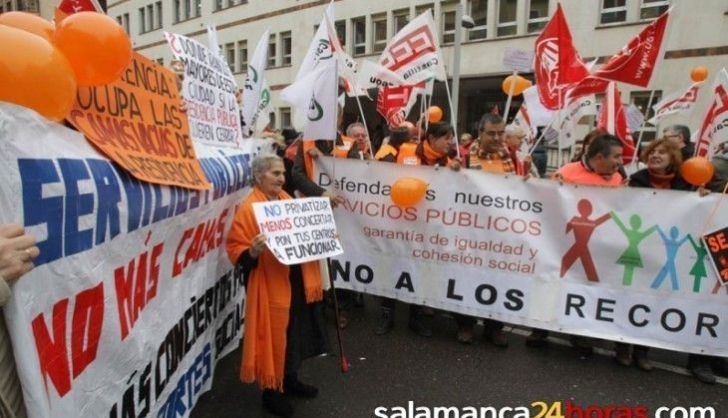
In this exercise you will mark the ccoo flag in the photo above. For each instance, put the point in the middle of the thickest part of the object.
(315, 96)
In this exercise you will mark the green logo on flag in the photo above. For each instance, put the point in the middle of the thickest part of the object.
(315, 111)
(255, 74)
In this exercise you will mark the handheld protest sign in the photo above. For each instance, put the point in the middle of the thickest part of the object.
(716, 243)
(299, 230)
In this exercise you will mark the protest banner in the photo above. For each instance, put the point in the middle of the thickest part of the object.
(132, 299)
(209, 89)
(717, 244)
(298, 230)
(136, 121)
(600, 262)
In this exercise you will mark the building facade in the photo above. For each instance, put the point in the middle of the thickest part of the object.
(696, 36)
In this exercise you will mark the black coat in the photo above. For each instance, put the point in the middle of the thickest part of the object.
(642, 179)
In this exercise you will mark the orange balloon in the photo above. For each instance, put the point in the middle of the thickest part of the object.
(29, 23)
(408, 191)
(699, 73)
(521, 84)
(96, 46)
(697, 171)
(34, 74)
(434, 114)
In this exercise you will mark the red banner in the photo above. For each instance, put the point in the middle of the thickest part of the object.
(613, 119)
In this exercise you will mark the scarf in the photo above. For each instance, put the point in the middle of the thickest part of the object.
(431, 157)
(660, 181)
(492, 157)
(268, 299)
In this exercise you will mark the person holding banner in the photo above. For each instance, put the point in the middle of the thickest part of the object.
(283, 317)
(434, 150)
(663, 158)
(17, 251)
(417, 319)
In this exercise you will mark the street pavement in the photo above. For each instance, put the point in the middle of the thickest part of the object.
(391, 370)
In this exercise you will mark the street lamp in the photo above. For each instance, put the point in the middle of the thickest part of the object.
(466, 22)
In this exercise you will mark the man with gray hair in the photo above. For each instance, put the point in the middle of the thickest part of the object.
(680, 135)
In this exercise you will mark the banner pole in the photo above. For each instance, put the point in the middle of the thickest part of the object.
(511, 89)
(453, 122)
(642, 128)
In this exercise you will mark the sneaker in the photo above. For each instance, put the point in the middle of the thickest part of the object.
(276, 403)
(582, 345)
(465, 335)
(703, 372)
(386, 322)
(297, 388)
(643, 362)
(496, 337)
(420, 326)
(537, 338)
(623, 354)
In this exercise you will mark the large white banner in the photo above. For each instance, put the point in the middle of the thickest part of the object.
(209, 90)
(622, 264)
(132, 300)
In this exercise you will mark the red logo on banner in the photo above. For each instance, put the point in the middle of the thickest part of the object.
(415, 44)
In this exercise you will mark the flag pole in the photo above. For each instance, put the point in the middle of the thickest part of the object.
(364, 121)
(511, 90)
(642, 128)
(452, 121)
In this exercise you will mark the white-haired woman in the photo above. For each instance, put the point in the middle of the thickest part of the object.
(283, 318)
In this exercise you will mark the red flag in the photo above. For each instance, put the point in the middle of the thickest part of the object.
(587, 86)
(613, 119)
(392, 101)
(636, 62)
(557, 63)
(69, 7)
(713, 131)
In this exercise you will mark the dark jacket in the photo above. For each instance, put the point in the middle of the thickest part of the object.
(642, 179)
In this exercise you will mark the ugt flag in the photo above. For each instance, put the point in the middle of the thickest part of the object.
(636, 62)
(678, 102)
(714, 130)
(613, 119)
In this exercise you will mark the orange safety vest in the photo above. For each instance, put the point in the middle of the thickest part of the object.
(408, 155)
(385, 150)
(341, 151)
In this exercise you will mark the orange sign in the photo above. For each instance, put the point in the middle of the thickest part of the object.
(136, 121)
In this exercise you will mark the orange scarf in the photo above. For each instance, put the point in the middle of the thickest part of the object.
(431, 157)
(268, 299)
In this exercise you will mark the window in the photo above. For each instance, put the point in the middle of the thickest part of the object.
(448, 27)
(142, 20)
(188, 9)
(401, 19)
(538, 15)
(379, 33)
(230, 55)
(423, 8)
(506, 17)
(613, 11)
(122, 19)
(158, 15)
(177, 11)
(341, 31)
(150, 17)
(243, 56)
(651, 9)
(272, 52)
(478, 10)
(285, 117)
(360, 36)
(224, 4)
(286, 48)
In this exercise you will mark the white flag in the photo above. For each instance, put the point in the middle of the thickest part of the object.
(264, 108)
(320, 50)
(212, 41)
(254, 80)
(540, 115)
(315, 96)
(678, 102)
(714, 130)
(414, 52)
(569, 117)
(372, 75)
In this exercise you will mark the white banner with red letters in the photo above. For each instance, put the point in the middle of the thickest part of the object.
(623, 264)
(132, 299)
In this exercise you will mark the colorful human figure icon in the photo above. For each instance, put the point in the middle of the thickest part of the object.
(583, 228)
(631, 257)
(698, 270)
(672, 245)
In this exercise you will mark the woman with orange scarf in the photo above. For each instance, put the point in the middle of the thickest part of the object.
(283, 318)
